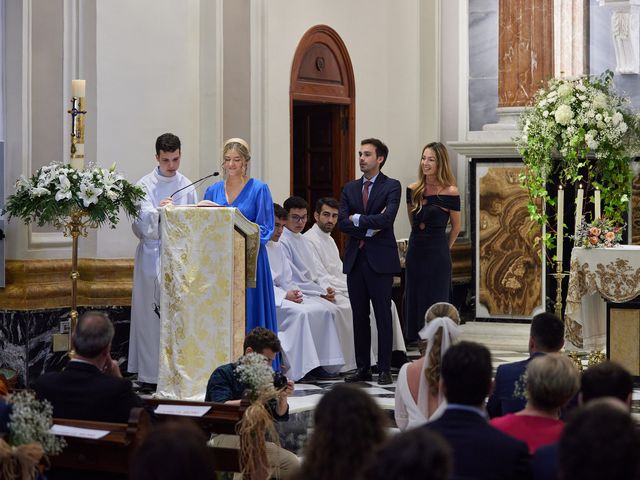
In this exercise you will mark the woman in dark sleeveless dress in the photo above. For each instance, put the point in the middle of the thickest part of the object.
(432, 201)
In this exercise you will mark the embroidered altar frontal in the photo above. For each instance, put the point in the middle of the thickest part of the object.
(202, 297)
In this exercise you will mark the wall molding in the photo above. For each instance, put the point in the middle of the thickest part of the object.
(38, 284)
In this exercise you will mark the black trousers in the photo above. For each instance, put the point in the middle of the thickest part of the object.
(366, 285)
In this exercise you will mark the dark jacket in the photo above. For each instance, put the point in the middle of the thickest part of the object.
(479, 450)
(382, 207)
(82, 392)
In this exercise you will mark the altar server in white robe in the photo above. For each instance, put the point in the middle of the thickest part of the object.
(159, 185)
(308, 278)
(329, 264)
(306, 328)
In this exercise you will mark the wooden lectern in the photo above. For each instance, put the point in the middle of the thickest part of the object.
(208, 259)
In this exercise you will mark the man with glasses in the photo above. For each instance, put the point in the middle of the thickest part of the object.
(311, 280)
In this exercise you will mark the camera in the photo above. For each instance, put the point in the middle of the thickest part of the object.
(279, 380)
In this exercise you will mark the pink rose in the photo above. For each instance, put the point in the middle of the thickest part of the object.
(593, 240)
(609, 236)
(594, 231)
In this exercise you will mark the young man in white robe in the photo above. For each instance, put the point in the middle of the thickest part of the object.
(328, 262)
(306, 328)
(311, 281)
(159, 185)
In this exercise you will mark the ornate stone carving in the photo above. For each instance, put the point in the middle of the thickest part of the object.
(625, 32)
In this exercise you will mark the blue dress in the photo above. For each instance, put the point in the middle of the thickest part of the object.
(255, 203)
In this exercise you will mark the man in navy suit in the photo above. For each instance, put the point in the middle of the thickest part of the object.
(547, 336)
(91, 386)
(480, 451)
(368, 208)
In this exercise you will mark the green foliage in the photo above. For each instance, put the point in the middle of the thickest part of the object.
(581, 130)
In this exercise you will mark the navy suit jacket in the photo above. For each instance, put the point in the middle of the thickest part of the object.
(502, 400)
(545, 463)
(479, 450)
(382, 208)
(82, 392)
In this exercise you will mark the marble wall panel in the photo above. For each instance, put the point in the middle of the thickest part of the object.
(26, 341)
(483, 100)
(509, 271)
(525, 49)
(483, 63)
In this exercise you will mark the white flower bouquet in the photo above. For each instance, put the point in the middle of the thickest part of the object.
(56, 190)
(582, 131)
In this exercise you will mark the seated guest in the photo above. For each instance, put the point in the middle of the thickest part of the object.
(348, 428)
(328, 262)
(174, 451)
(552, 380)
(606, 379)
(91, 386)
(313, 282)
(600, 441)
(417, 453)
(547, 336)
(306, 329)
(418, 395)
(224, 386)
(479, 450)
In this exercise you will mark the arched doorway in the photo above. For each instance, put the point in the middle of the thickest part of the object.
(322, 112)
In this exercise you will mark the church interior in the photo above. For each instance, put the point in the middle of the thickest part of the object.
(303, 82)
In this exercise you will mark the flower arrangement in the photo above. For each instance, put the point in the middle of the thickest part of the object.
(257, 425)
(29, 436)
(256, 374)
(56, 191)
(601, 233)
(592, 130)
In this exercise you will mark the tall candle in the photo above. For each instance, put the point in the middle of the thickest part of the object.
(579, 199)
(596, 201)
(560, 226)
(77, 88)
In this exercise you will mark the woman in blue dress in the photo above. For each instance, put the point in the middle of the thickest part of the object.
(253, 198)
(432, 202)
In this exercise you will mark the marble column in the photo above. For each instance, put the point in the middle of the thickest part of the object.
(570, 35)
(525, 47)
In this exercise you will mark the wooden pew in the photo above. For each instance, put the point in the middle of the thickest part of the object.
(110, 454)
(220, 419)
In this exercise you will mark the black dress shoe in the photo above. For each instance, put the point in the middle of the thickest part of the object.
(360, 375)
(385, 378)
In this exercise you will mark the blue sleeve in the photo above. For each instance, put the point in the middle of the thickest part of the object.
(264, 213)
(208, 194)
(220, 386)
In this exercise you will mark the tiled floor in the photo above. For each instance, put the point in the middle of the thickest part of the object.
(508, 342)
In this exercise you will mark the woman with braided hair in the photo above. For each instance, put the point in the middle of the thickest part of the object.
(418, 396)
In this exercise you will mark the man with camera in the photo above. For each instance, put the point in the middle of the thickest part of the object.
(225, 386)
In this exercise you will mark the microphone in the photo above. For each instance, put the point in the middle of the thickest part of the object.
(214, 174)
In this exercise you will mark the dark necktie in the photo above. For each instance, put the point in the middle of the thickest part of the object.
(365, 199)
(365, 193)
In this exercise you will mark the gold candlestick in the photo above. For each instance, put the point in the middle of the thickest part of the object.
(76, 227)
(559, 276)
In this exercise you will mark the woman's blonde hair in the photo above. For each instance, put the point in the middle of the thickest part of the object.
(444, 175)
(552, 380)
(432, 373)
(240, 146)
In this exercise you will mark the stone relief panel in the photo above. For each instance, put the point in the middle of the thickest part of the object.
(509, 268)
